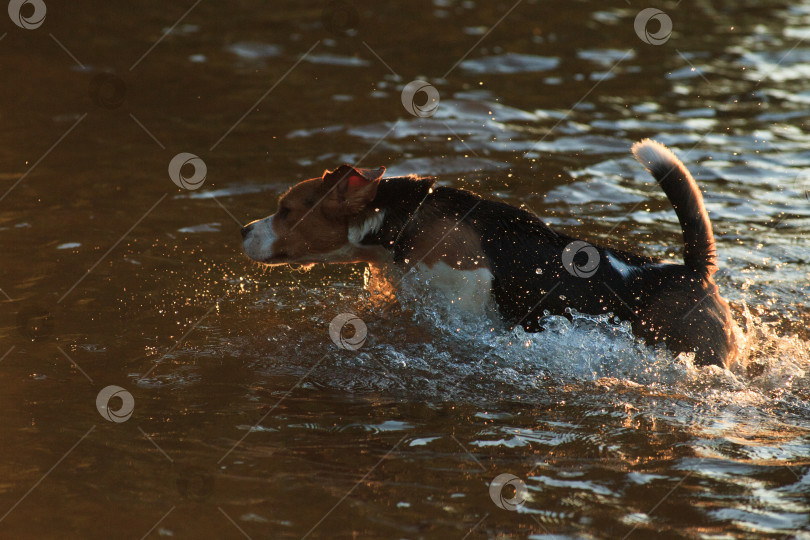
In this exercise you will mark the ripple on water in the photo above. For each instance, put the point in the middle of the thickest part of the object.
(509, 63)
(443, 166)
(251, 50)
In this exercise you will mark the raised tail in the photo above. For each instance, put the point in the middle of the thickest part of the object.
(682, 190)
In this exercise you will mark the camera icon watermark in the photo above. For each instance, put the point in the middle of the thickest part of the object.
(28, 14)
(581, 269)
(409, 93)
(642, 22)
(107, 90)
(35, 323)
(501, 488)
(184, 180)
(340, 18)
(122, 413)
(359, 331)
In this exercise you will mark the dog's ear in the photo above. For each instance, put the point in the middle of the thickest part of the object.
(349, 190)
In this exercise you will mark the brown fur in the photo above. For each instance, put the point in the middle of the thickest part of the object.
(313, 217)
(301, 225)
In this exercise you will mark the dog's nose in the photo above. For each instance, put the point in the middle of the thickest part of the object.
(246, 229)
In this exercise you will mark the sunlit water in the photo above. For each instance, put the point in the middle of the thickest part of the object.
(247, 415)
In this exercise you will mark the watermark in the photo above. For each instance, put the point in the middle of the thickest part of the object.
(508, 501)
(185, 160)
(107, 90)
(194, 483)
(587, 268)
(35, 323)
(352, 342)
(122, 413)
(28, 14)
(409, 94)
(340, 18)
(642, 23)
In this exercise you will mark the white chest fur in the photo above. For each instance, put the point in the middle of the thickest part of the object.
(468, 290)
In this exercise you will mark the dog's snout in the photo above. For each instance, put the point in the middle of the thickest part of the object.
(246, 229)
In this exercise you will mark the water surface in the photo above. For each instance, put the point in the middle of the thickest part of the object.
(247, 419)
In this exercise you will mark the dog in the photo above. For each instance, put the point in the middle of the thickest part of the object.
(481, 252)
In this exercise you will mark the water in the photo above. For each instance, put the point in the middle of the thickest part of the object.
(247, 418)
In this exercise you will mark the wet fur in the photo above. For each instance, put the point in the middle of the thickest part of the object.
(409, 220)
(664, 302)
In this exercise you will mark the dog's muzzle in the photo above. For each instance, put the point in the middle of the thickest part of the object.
(258, 238)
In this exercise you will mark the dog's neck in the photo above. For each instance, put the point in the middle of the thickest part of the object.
(412, 225)
(395, 209)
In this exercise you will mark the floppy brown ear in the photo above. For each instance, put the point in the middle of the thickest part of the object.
(349, 189)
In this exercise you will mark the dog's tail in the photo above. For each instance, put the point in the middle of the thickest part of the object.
(684, 194)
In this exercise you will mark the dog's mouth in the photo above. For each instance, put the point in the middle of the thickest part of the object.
(283, 259)
(278, 258)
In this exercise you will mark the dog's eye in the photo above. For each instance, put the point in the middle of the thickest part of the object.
(283, 212)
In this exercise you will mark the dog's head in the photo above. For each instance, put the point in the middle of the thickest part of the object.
(312, 221)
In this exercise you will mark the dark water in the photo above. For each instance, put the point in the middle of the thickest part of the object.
(248, 420)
